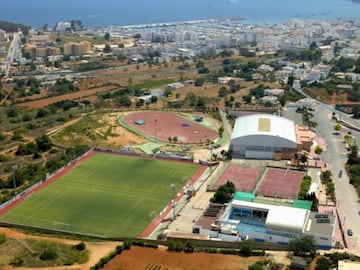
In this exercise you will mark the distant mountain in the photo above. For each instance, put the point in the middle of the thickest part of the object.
(11, 27)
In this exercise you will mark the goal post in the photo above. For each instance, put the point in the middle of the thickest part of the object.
(61, 226)
(152, 215)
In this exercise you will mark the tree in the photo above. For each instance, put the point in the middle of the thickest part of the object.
(203, 70)
(190, 99)
(223, 91)
(337, 49)
(221, 131)
(323, 263)
(256, 266)
(12, 112)
(200, 104)
(199, 81)
(107, 36)
(44, 143)
(123, 100)
(312, 124)
(303, 158)
(167, 92)
(154, 99)
(291, 80)
(356, 112)
(330, 188)
(224, 193)
(42, 112)
(200, 64)
(107, 48)
(353, 155)
(313, 45)
(325, 176)
(318, 149)
(139, 102)
(303, 246)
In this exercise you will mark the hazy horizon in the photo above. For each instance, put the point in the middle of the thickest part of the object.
(37, 13)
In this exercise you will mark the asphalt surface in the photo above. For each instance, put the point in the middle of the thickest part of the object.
(14, 52)
(336, 157)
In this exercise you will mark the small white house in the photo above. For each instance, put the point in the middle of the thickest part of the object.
(274, 92)
(224, 80)
(269, 99)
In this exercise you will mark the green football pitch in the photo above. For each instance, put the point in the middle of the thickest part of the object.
(105, 195)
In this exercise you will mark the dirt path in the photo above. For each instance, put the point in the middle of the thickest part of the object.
(97, 250)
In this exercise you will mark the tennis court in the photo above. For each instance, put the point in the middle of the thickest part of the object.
(106, 195)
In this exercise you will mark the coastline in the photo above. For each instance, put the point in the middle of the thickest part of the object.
(112, 12)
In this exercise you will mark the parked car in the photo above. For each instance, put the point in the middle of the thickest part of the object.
(340, 173)
(350, 232)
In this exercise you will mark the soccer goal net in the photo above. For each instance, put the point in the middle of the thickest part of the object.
(152, 215)
(61, 226)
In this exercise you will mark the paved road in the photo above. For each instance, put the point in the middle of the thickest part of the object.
(336, 157)
(14, 52)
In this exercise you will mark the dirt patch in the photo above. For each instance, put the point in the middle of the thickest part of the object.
(70, 96)
(138, 258)
(119, 135)
(97, 250)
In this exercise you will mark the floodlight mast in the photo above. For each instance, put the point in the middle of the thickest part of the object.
(173, 186)
(73, 135)
(14, 168)
(155, 130)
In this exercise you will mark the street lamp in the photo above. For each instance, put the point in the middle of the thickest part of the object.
(173, 186)
(155, 130)
(14, 168)
(73, 134)
(211, 155)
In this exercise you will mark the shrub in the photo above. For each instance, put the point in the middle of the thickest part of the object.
(17, 261)
(119, 249)
(127, 245)
(2, 238)
(246, 250)
(48, 255)
(2, 137)
(80, 246)
(4, 158)
(256, 266)
(318, 149)
(323, 264)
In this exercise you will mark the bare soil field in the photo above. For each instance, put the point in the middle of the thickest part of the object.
(138, 258)
(71, 96)
(120, 135)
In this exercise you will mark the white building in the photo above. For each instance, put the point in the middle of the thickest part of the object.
(269, 223)
(224, 80)
(3, 36)
(269, 100)
(263, 136)
(303, 103)
(274, 92)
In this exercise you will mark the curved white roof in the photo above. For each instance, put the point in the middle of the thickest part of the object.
(265, 124)
(280, 218)
(286, 219)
